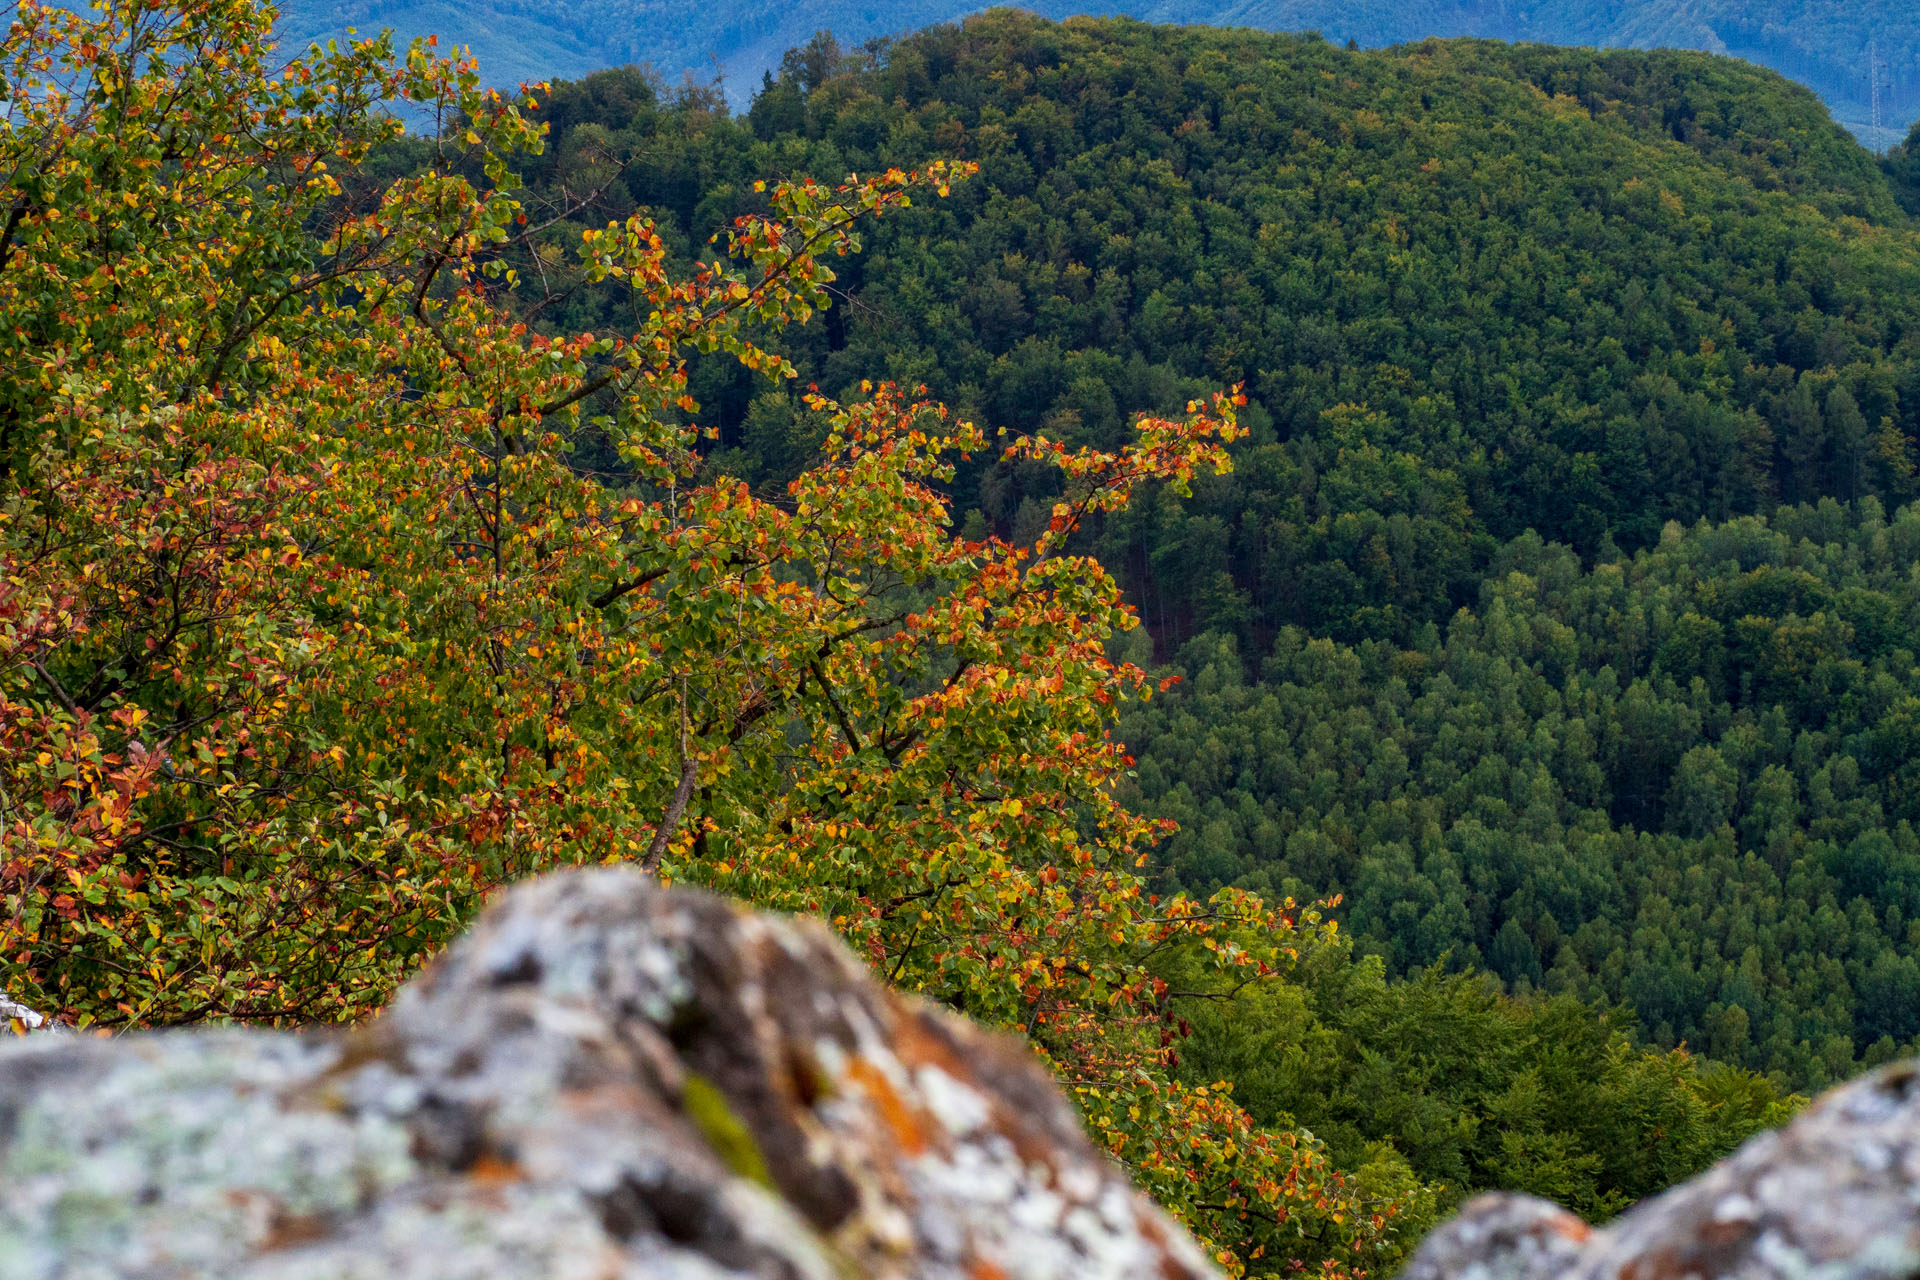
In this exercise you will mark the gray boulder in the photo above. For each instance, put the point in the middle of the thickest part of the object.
(603, 1080)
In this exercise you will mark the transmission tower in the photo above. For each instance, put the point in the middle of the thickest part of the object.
(1873, 75)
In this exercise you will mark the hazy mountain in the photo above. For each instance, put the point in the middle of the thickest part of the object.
(1823, 43)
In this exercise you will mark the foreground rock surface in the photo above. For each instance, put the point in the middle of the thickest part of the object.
(1833, 1196)
(604, 1079)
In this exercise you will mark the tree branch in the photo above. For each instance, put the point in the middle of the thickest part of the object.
(676, 807)
(626, 588)
(839, 712)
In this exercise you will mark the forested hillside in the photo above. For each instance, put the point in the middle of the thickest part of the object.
(1684, 782)
(1498, 311)
(1821, 43)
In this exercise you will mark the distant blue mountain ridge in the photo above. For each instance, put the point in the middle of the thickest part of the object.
(1840, 49)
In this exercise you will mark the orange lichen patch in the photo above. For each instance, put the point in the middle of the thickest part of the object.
(374, 1043)
(905, 1126)
(1151, 1231)
(1715, 1234)
(291, 1230)
(1029, 1144)
(805, 1080)
(1567, 1227)
(1663, 1264)
(491, 1170)
(916, 1043)
(982, 1269)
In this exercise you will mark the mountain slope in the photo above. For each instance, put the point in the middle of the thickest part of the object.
(1822, 43)
(1484, 298)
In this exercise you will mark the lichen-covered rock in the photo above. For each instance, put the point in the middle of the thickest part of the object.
(1502, 1237)
(603, 1080)
(1833, 1196)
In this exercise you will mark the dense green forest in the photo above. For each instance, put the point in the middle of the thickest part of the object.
(1470, 1089)
(1543, 335)
(1902, 164)
(1684, 782)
